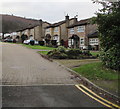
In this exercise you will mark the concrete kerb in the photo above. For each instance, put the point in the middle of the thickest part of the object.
(103, 93)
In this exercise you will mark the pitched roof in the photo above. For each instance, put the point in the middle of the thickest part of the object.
(93, 35)
(58, 23)
(79, 23)
(32, 26)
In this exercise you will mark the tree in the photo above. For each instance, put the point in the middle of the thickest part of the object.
(108, 21)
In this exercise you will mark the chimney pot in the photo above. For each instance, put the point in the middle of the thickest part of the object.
(67, 17)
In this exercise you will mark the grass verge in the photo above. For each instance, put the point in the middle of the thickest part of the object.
(95, 53)
(95, 71)
(43, 52)
(104, 78)
(39, 47)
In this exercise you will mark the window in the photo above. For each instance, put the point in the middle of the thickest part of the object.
(82, 41)
(56, 29)
(81, 29)
(72, 31)
(93, 41)
(47, 30)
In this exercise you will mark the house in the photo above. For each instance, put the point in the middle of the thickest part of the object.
(93, 41)
(58, 31)
(13, 35)
(36, 32)
(78, 33)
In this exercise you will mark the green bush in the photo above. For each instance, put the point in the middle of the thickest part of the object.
(42, 43)
(62, 53)
(61, 49)
(57, 54)
(86, 53)
(108, 21)
(111, 58)
(74, 52)
(54, 42)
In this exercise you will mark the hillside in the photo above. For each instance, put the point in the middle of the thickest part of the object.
(13, 23)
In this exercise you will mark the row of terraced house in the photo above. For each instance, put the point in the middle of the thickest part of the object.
(69, 33)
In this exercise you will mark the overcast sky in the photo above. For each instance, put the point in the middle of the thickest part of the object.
(49, 10)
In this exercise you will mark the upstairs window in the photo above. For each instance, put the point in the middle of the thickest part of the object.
(81, 29)
(48, 30)
(72, 31)
(56, 29)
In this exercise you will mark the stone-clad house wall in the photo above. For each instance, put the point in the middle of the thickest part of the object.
(62, 32)
(83, 35)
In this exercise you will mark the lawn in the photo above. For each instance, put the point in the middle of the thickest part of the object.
(72, 63)
(104, 78)
(95, 53)
(38, 47)
(43, 52)
(95, 71)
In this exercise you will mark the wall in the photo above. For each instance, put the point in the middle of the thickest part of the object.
(38, 33)
(50, 31)
(43, 29)
(32, 32)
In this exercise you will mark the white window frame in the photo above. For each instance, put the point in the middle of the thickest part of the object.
(56, 29)
(94, 41)
(82, 41)
(71, 30)
(81, 29)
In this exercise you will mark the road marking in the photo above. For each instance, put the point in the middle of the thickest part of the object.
(78, 86)
(99, 96)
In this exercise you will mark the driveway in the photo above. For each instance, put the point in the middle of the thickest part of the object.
(23, 66)
(28, 80)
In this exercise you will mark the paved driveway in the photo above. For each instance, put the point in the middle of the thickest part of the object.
(22, 66)
(28, 80)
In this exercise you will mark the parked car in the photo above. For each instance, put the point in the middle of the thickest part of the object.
(8, 40)
(28, 42)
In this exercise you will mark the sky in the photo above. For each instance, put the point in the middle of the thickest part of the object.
(49, 10)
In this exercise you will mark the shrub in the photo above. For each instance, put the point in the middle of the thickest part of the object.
(41, 43)
(87, 53)
(57, 54)
(61, 49)
(74, 52)
(54, 42)
(62, 42)
(108, 20)
(111, 58)
(62, 53)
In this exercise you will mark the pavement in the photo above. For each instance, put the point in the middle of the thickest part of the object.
(29, 80)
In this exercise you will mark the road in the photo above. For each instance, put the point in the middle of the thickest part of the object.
(28, 80)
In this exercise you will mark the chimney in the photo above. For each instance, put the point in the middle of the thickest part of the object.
(67, 17)
(75, 20)
(40, 22)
